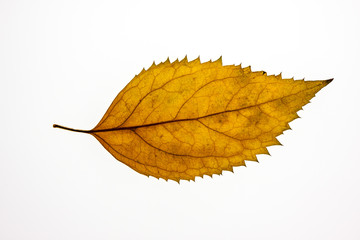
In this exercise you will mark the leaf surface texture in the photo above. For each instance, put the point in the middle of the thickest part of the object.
(186, 119)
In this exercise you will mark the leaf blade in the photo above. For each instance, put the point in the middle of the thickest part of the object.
(185, 119)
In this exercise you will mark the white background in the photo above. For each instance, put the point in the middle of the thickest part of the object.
(65, 61)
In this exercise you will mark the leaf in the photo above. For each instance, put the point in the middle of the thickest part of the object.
(186, 119)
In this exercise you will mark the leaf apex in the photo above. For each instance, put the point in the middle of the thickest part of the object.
(328, 81)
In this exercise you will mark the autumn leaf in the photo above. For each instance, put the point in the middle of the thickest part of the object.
(185, 119)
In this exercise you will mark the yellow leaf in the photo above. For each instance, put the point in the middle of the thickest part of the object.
(186, 119)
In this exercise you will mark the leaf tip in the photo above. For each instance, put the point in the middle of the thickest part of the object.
(328, 81)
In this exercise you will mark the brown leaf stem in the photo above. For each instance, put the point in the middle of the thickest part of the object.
(71, 129)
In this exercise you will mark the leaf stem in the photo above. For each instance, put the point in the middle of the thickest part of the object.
(71, 129)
